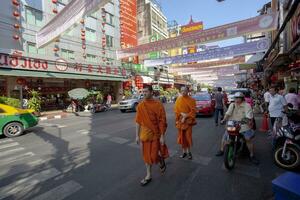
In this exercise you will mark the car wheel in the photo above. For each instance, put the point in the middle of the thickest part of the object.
(134, 107)
(123, 111)
(13, 129)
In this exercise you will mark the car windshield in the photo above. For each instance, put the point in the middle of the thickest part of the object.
(205, 97)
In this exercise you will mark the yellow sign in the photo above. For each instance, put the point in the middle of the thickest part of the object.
(186, 29)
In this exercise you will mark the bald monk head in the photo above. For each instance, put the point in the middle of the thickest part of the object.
(148, 92)
(184, 91)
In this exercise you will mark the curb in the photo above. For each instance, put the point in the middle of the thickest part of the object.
(64, 115)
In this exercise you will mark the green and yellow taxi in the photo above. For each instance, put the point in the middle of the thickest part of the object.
(13, 121)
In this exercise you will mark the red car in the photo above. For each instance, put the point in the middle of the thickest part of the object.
(205, 104)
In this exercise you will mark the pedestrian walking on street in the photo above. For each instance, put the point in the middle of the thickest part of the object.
(150, 131)
(277, 105)
(185, 115)
(220, 105)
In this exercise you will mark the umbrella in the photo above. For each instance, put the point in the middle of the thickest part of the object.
(78, 93)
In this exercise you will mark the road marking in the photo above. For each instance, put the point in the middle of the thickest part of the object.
(134, 145)
(15, 158)
(83, 132)
(102, 136)
(202, 160)
(11, 151)
(60, 192)
(20, 168)
(57, 117)
(247, 170)
(25, 185)
(52, 125)
(9, 145)
(118, 140)
(5, 141)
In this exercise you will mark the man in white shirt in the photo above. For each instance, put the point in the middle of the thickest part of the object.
(277, 105)
(267, 97)
(293, 98)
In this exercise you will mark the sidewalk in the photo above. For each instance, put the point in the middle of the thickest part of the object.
(58, 114)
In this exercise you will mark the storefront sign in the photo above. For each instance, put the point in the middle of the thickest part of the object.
(60, 65)
(72, 13)
(262, 23)
(192, 26)
(230, 51)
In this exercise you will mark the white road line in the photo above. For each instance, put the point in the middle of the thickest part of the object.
(57, 117)
(60, 192)
(25, 185)
(102, 136)
(5, 141)
(20, 168)
(118, 140)
(11, 151)
(134, 145)
(9, 145)
(15, 158)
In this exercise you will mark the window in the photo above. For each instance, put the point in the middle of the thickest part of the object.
(31, 48)
(90, 35)
(67, 54)
(91, 58)
(109, 41)
(34, 17)
(109, 19)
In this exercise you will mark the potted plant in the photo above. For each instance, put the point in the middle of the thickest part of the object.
(35, 102)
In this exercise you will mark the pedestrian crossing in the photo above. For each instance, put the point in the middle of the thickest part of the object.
(21, 172)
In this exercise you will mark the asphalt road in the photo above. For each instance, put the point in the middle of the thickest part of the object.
(94, 157)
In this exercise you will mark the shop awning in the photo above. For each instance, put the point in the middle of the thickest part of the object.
(27, 73)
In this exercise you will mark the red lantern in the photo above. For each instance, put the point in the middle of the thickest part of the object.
(83, 46)
(82, 38)
(103, 23)
(57, 40)
(16, 26)
(16, 14)
(55, 49)
(82, 30)
(82, 21)
(83, 34)
(54, 1)
(16, 37)
(15, 2)
(55, 10)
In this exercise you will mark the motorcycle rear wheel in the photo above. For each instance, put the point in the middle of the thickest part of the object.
(293, 160)
(229, 156)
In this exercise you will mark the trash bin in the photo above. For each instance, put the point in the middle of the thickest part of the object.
(287, 186)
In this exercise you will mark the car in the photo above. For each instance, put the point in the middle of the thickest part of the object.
(13, 121)
(231, 92)
(130, 104)
(205, 104)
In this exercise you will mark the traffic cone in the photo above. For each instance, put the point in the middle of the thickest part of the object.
(265, 124)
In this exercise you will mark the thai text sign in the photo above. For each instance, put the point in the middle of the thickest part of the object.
(262, 23)
(230, 51)
(60, 65)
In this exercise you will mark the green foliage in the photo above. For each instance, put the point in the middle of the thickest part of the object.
(99, 96)
(35, 101)
(127, 93)
(10, 101)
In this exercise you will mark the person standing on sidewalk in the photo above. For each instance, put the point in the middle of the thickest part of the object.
(108, 100)
(277, 105)
(220, 104)
(266, 99)
(293, 98)
(185, 115)
(151, 125)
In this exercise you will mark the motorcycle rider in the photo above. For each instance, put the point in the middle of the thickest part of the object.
(240, 111)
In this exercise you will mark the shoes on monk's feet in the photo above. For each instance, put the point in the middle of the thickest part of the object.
(183, 155)
(145, 181)
(162, 166)
(190, 157)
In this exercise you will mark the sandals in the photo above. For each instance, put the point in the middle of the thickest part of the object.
(183, 155)
(162, 166)
(190, 157)
(145, 181)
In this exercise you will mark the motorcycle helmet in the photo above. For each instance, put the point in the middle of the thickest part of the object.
(239, 95)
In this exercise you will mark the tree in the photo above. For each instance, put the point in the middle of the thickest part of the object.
(35, 101)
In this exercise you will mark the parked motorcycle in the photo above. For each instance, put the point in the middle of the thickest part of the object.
(286, 143)
(235, 144)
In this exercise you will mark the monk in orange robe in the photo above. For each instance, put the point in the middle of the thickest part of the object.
(185, 115)
(150, 131)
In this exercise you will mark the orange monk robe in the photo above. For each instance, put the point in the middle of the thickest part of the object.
(151, 114)
(185, 104)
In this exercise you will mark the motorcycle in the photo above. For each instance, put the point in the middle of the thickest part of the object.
(286, 143)
(235, 144)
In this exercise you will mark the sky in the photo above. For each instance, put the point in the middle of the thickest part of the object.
(211, 12)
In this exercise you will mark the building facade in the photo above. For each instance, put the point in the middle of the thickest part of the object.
(84, 56)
